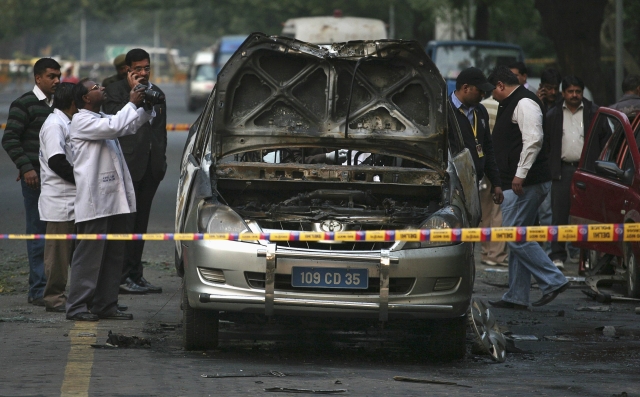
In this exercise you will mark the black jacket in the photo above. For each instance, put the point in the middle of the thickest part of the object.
(487, 163)
(148, 146)
(507, 142)
(554, 132)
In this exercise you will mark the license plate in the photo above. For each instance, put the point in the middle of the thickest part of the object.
(326, 277)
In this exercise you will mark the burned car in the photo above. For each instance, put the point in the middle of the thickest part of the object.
(356, 137)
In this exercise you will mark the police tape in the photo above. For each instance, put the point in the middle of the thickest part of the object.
(170, 127)
(568, 233)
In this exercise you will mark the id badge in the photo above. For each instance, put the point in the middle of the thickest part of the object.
(479, 149)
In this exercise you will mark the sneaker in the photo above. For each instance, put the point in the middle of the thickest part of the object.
(130, 287)
(559, 264)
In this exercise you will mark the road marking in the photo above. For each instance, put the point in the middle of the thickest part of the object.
(77, 374)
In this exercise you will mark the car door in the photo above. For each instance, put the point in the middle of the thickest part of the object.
(195, 151)
(600, 189)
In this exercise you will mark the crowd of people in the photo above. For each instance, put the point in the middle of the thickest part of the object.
(90, 161)
(526, 147)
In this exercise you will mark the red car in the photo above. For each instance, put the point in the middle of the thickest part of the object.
(606, 189)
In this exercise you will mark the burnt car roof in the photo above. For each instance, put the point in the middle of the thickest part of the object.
(280, 92)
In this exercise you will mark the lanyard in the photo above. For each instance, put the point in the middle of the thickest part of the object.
(474, 127)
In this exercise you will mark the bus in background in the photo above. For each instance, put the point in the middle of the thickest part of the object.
(451, 57)
(205, 66)
(335, 29)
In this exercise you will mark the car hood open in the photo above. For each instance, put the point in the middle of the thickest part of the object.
(279, 92)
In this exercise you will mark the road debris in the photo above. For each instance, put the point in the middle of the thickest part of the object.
(516, 337)
(293, 390)
(607, 330)
(122, 341)
(251, 375)
(593, 309)
(437, 382)
(560, 338)
(494, 270)
(488, 335)
(86, 335)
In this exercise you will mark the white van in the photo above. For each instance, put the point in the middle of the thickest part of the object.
(200, 80)
(328, 30)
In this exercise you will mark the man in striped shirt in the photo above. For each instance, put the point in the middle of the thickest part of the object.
(21, 140)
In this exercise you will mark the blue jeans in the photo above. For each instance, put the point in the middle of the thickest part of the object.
(35, 248)
(527, 259)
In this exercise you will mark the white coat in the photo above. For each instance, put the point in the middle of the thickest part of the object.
(56, 195)
(103, 182)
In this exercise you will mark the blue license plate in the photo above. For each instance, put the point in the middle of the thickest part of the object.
(327, 277)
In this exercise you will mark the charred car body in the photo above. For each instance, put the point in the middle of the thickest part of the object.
(250, 165)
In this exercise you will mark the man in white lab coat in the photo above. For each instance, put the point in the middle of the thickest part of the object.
(104, 198)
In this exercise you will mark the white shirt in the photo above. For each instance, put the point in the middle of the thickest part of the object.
(56, 195)
(41, 96)
(572, 134)
(104, 186)
(528, 116)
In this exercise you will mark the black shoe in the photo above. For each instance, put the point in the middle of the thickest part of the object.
(507, 305)
(56, 309)
(152, 288)
(36, 301)
(130, 287)
(117, 315)
(84, 316)
(123, 308)
(546, 298)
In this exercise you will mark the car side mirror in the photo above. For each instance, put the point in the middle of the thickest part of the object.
(611, 170)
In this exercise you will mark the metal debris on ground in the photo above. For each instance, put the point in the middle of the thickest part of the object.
(593, 309)
(487, 332)
(560, 338)
(607, 330)
(494, 270)
(516, 337)
(86, 335)
(294, 390)
(436, 382)
(251, 375)
(576, 280)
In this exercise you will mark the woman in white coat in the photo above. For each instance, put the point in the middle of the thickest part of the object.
(104, 198)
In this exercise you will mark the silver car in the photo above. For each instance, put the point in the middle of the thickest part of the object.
(291, 141)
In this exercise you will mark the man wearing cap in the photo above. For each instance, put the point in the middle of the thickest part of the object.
(473, 119)
(522, 154)
(121, 71)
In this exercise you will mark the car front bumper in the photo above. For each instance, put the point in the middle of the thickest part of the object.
(423, 300)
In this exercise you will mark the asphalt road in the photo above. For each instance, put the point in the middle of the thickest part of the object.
(43, 354)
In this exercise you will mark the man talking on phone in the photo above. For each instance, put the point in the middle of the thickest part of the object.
(145, 156)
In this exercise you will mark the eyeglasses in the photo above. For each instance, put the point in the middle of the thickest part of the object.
(140, 69)
(95, 87)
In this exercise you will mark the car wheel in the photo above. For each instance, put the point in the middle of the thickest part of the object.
(200, 327)
(633, 271)
(448, 339)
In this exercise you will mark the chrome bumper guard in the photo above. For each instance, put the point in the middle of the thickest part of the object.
(383, 260)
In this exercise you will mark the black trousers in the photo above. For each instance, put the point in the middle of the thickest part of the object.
(137, 222)
(94, 279)
(560, 206)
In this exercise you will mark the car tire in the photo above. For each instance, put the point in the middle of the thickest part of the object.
(633, 270)
(200, 327)
(448, 339)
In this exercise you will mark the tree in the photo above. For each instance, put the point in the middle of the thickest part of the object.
(574, 28)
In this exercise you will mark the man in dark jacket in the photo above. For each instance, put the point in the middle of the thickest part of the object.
(629, 103)
(473, 120)
(566, 125)
(522, 155)
(144, 153)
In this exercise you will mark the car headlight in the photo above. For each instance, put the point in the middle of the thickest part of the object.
(217, 218)
(446, 218)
